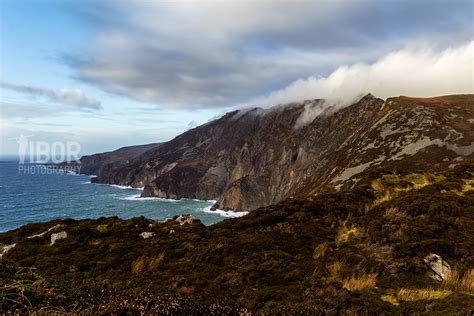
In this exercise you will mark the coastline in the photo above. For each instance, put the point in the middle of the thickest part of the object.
(66, 195)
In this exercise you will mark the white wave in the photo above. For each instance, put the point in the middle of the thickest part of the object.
(130, 198)
(121, 187)
(85, 182)
(224, 213)
(137, 197)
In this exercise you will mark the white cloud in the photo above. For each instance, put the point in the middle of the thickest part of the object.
(76, 97)
(411, 72)
(70, 97)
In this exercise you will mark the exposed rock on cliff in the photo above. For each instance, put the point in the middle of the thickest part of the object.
(252, 158)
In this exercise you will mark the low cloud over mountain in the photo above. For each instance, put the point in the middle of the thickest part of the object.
(413, 72)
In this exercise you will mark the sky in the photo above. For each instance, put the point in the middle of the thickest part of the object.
(109, 74)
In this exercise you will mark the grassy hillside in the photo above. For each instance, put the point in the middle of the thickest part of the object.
(355, 251)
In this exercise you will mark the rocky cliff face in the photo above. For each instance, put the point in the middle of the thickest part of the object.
(253, 158)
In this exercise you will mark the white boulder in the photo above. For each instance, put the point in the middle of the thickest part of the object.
(5, 248)
(58, 226)
(184, 219)
(146, 235)
(58, 236)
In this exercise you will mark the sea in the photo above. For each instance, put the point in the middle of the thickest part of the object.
(31, 193)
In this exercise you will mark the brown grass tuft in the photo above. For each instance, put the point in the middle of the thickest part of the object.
(138, 265)
(390, 299)
(377, 185)
(103, 228)
(344, 234)
(155, 262)
(411, 295)
(457, 283)
(320, 250)
(364, 282)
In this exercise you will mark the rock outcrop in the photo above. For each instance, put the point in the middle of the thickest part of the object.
(252, 158)
(439, 269)
(146, 235)
(184, 219)
(5, 248)
(57, 236)
(41, 235)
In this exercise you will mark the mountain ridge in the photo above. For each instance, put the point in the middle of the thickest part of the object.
(98, 163)
(252, 158)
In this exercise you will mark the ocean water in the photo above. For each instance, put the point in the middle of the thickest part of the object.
(32, 193)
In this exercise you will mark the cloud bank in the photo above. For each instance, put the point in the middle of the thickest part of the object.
(69, 97)
(411, 72)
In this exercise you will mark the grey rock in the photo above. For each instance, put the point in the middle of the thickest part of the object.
(5, 248)
(57, 236)
(55, 227)
(146, 235)
(440, 269)
(184, 219)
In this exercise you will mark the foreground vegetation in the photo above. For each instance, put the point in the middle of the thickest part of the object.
(357, 251)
